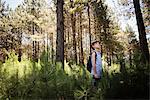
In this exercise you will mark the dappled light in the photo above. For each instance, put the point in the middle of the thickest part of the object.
(74, 50)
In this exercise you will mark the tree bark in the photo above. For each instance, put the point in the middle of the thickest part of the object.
(89, 26)
(20, 43)
(130, 56)
(60, 32)
(79, 49)
(38, 53)
(142, 33)
(47, 48)
(73, 23)
(33, 43)
(52, 52)
(82, 58)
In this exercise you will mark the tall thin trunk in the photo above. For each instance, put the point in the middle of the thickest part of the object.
(79, 39)
(38, 49)
(79, 57)
(52, 52)
(67, 41)
(47, 48)
(82, 58)
(33, 43)
(108, 58)
(66, 37)
(95, 27)
(89, 25)
(60, 32)
(142, 33)
(20, 43)
(73, 22)
(130, 58)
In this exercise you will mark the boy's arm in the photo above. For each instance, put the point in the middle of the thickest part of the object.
(94, 64)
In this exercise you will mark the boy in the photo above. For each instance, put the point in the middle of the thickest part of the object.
(96, 60)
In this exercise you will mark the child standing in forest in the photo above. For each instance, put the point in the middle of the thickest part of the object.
(96, 70)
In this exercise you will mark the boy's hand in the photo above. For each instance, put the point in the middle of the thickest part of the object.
(95, 76)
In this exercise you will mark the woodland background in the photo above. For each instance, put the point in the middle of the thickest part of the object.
(44, 48)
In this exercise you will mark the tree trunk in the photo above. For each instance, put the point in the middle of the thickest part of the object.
(65, 38)
(82, 58)
(47, 48)
(38, 53)
(142, 33)
(20, 43)
(130, 57)
(60, 32)
(89, 26)
(108, 58)
(33, 43)
(79, 53)
(68, 41)
(73, 23)
(52, 52)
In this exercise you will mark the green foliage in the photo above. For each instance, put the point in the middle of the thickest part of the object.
(42, 80)
(130, 83)
(46, 80)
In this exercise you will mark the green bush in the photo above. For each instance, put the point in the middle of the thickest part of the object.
(43, 80)
(131, 83)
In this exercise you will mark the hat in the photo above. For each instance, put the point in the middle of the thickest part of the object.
(94, 41)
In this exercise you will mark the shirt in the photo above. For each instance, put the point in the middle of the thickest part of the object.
(98, 64)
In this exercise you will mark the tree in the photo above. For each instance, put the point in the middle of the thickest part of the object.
(73, 23)
(29, 22)
(131, 37)
(73, 10)
(81, 43)
(4, 25)
(142, 33)
(60, 32)
(34, 9)
(88, 10)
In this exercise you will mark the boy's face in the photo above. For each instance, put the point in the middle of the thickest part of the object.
(96, 45)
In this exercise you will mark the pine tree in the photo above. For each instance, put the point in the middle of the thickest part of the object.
(60, 32)
(142, 33)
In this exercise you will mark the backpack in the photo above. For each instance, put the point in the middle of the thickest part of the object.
(89, 63)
